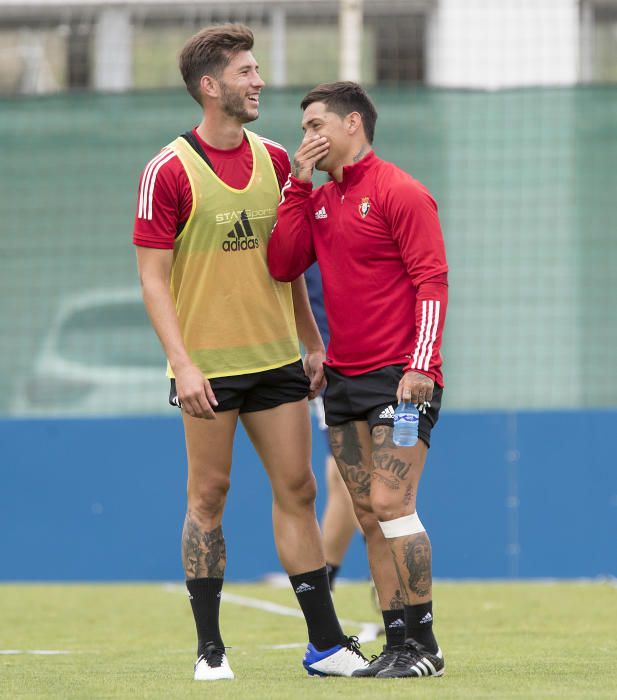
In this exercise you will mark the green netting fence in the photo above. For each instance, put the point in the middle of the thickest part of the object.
(526, 181)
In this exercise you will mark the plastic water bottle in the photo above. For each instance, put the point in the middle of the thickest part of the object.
(406, 419)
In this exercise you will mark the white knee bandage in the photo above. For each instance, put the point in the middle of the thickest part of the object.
(407, 525)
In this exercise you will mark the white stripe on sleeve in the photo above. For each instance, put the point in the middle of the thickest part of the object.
(285, 187)
(427, 334)
(429, 351)
(273, 143)
(145, 181)
(420, 336)
(153, 180)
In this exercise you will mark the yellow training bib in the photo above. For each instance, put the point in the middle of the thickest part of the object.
(234, 317)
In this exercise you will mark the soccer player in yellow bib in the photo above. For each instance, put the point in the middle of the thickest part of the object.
(206, 208)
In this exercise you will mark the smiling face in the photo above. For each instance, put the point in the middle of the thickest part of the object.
(317, 120)
(239, 87)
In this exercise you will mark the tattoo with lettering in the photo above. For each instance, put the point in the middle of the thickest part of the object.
(358, 480)
(389, 463)
(203, 553)
(383, 457)
(417, 554)
(392, 484)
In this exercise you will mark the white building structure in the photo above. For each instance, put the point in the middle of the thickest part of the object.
(493, 44)
(481, 44)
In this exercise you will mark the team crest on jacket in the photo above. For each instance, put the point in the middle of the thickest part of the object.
(364, 206)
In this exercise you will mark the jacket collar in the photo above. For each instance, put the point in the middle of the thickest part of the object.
(355, 172)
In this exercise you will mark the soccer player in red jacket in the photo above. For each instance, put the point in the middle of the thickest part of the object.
(375, 232)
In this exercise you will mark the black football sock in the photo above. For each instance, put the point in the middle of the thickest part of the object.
(394, 624)
(205, 597)
(332, 570)
(419, 625)
(313, 594)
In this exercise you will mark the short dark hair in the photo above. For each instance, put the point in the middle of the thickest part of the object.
(209, 51)
(342, 98)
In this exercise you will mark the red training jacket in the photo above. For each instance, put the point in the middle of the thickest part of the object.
(378, 241)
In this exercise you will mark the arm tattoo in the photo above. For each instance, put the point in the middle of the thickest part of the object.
(295, 168)
(417, 552)
(203, 553)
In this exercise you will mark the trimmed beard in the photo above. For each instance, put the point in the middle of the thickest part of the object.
(233, 105)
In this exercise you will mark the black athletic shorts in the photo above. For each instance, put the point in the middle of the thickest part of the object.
(257, 391)
(372, 397)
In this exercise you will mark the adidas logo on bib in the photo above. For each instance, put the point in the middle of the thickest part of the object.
(241, 236)
(388, 412)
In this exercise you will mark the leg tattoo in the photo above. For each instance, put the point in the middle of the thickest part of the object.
(402, 589)
(347, 452)
(388, 468)
(417, 553)
(397, 601)
(203, 553)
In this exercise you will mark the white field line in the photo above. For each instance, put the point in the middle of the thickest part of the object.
(39, 652)
(368, 630)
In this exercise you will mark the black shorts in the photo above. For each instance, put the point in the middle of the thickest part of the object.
(372, 397)
(257, 391)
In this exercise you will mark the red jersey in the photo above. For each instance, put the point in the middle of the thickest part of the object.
(381, 253)
(165, 200)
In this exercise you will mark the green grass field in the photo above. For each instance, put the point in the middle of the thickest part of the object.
(501, 640)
